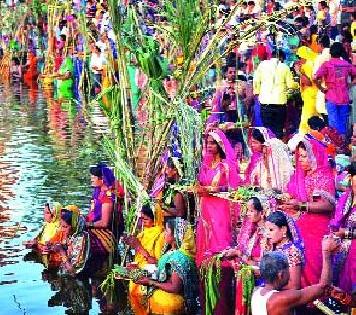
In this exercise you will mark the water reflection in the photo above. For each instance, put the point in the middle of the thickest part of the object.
(46, 146)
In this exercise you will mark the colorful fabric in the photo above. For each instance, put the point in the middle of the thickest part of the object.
(245, 283)
(101, 196)
(49, 229)
(335, 72)
(302, 186)
(308, 90)
(152, 240)
(320, 97)
(276, 172)
(214, 223)
(249, 239)
(180, 261)
(64, 87)
(102, 242)
(345, 259)
(79, 246)
(338, 115)
(210, 274)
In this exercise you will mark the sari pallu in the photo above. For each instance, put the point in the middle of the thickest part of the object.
(214, 232)
(273, 171)
(152, 240)
(345, 259)
(180, 261)
(302, 187)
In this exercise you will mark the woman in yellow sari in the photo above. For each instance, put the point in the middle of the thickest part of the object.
(149, 245)
(307, 87)
(51, 225)
(176, 290)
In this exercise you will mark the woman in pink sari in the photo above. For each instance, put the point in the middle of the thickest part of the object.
(217, 173)
(344, 225)
(311, 195)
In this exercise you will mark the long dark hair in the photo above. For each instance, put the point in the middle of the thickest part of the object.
(257, 135)
(279, 219)
(257, 204)
(147, 211)
(66, 216)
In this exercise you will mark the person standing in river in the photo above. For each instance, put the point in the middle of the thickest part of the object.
(99, 218)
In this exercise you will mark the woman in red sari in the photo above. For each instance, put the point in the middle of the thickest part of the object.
(311, 196)
(31, 73)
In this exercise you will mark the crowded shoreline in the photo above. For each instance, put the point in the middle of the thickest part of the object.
(231, 133)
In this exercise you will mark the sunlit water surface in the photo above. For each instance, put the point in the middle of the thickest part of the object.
(46, 147)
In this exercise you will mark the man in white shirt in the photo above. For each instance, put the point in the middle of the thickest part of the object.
(97, 62)
(274, 269)
(324, 42)
(271, 82)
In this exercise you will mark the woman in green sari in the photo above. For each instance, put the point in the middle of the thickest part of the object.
(64, 77)
(176, 290)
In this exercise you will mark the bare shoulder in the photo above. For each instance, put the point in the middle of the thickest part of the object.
(280, 303)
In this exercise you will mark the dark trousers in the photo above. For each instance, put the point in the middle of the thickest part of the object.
(274, 117)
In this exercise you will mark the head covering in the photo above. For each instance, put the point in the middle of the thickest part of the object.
(184, 236)
(266, 133)
(318, 157)
(103, 171)
(306, 53)
(74, 210)
(294, 141)
(222, 141)
(56, 212)
(296, 237)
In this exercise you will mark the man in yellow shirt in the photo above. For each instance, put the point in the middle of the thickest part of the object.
(271, 82)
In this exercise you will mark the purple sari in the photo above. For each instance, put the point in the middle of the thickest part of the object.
(345, 260)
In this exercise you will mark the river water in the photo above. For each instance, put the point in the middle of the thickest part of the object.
(46, 148)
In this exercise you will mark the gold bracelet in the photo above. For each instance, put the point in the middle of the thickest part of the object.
(64, 259)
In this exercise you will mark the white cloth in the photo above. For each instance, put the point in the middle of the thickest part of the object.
(259, 302)
(320, 97)
(97, 61)
(280, 167)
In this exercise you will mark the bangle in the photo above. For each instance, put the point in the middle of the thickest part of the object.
(64, 259)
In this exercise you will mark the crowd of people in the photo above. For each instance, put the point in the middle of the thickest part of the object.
(269, 226)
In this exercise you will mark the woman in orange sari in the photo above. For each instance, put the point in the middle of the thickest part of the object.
(68, 225)
(31, 73)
